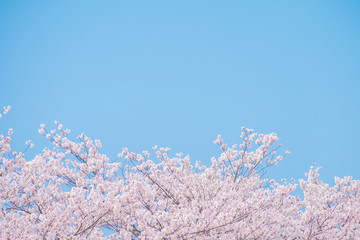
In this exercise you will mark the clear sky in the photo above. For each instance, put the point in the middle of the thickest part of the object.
(177, 73)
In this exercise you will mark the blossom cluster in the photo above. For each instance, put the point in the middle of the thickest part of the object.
(73, 191)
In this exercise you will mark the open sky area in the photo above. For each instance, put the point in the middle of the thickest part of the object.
(178, 73)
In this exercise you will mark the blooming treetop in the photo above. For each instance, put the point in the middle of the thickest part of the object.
(73, 191)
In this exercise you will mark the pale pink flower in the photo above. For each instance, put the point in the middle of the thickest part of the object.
(6, 109)
(98, 143)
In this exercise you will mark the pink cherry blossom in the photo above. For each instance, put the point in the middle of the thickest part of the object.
(74, 191)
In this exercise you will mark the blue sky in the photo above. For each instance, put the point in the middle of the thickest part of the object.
(177, 73)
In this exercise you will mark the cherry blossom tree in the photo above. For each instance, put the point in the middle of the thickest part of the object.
(73, 191)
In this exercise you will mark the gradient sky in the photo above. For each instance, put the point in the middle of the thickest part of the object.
(177, 73)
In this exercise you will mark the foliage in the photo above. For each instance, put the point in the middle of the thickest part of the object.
(74, 192)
